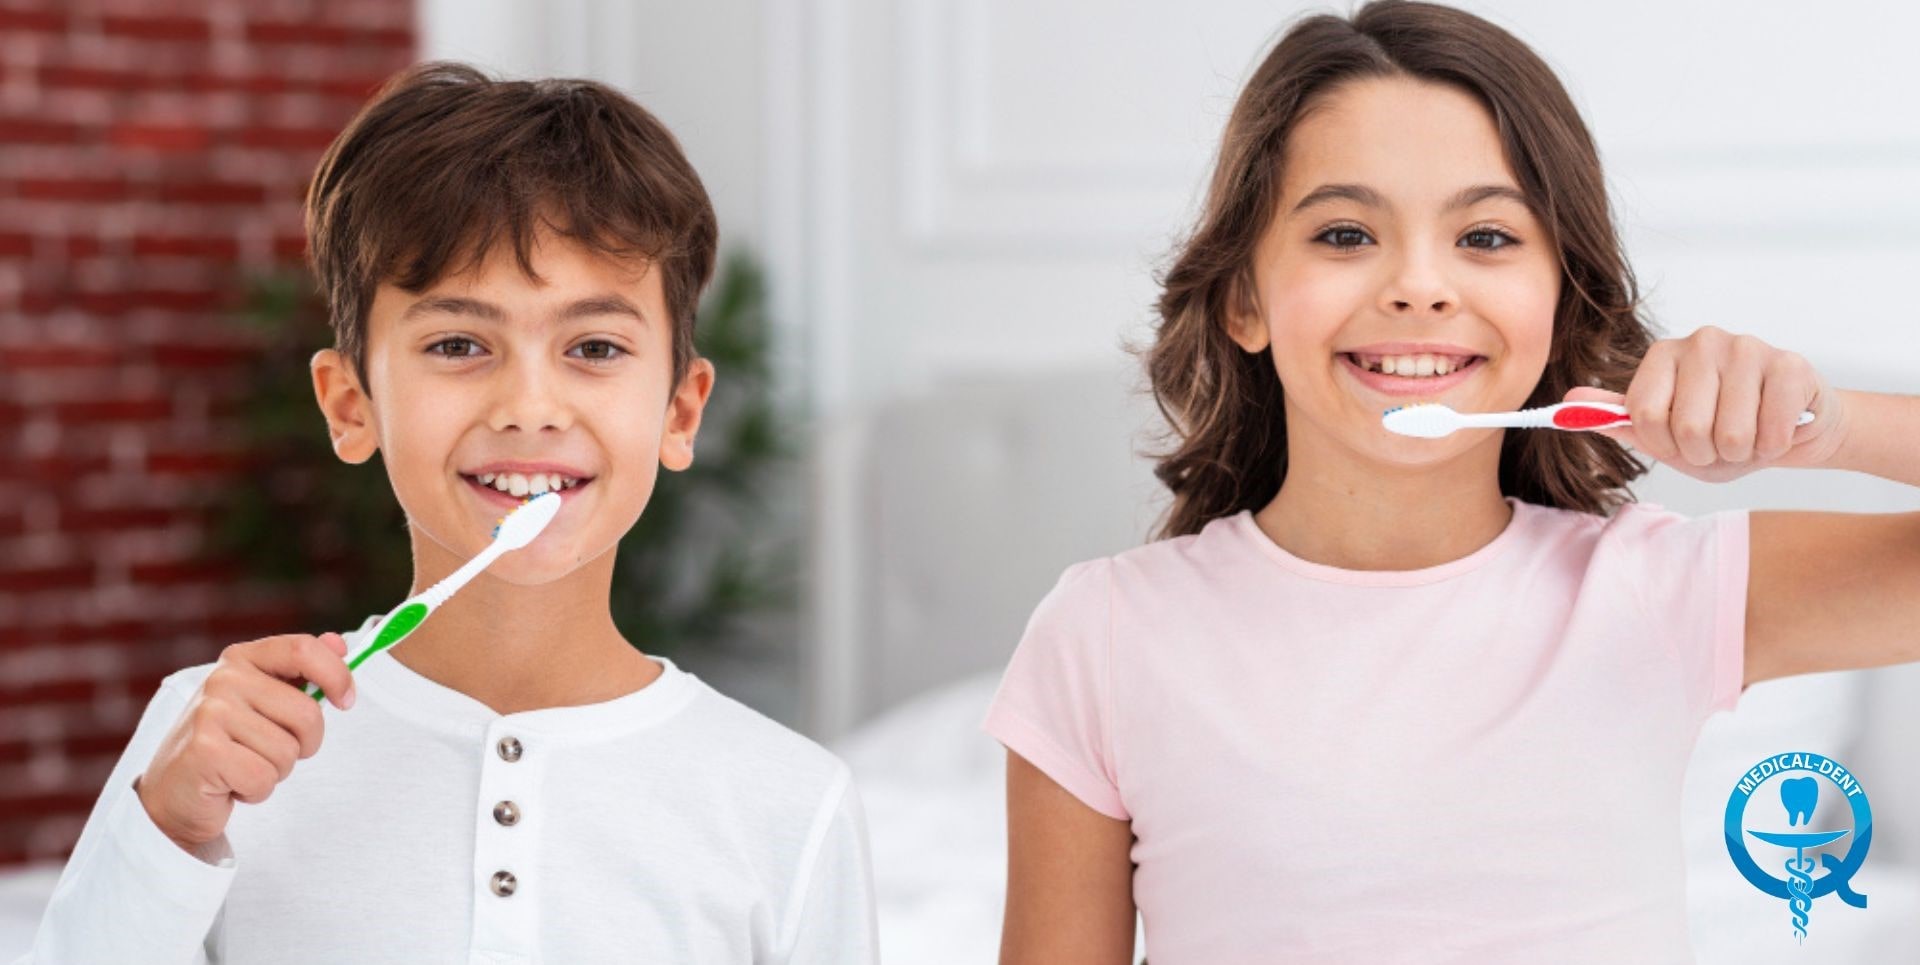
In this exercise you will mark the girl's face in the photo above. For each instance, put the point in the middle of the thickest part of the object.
(1402, 265)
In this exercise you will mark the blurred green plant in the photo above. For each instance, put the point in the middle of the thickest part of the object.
(707, 556)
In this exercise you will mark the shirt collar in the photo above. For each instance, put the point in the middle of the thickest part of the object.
(405, 692)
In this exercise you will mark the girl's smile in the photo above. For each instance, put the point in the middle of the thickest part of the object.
(1405, 370)
(1402, 252)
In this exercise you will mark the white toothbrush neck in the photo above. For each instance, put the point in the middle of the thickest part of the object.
(438, 593)
(1499, 420)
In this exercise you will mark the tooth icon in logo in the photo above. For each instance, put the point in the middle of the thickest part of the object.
(1799, 795)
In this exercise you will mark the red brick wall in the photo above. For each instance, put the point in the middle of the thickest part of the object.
(152, 154)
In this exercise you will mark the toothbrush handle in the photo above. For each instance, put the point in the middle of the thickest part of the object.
(1806, 415)
(395, 626)
(1523, 419)
(391, 629)
(1542, 417)
(400, 622)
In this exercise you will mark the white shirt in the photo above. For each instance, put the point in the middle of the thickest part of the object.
(672, 824)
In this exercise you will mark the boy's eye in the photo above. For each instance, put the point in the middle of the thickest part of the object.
(608, 352)
(597, 351)
(465, 344)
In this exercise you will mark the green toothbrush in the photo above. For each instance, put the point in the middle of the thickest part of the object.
(516, 529)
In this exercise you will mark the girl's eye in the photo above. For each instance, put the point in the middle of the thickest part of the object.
(1495, 238)
(466, 344)
(1344, 237)
(610, 353)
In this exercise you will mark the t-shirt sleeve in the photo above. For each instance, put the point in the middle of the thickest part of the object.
(1054, 706)
(128, 893)
(835, 923)
(1691, 575)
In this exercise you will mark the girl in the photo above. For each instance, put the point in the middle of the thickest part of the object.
(1373, 698)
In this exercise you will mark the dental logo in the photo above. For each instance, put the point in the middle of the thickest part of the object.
(1799, 778)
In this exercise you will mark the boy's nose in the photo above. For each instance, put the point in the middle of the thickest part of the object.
(529, 400)
(1439, 308)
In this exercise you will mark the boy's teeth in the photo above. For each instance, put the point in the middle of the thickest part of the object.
(522, 484)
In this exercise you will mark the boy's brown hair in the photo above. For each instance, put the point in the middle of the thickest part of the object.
(1225, 406)
(444, 163)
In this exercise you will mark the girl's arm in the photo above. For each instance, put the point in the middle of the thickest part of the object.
(1069, 876)
(1841, 591)
(1825, 591)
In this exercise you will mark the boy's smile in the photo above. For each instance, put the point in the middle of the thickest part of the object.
(507, 483)
(529, 387)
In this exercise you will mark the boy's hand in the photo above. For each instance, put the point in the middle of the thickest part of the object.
(242, 732)
(1717, 406)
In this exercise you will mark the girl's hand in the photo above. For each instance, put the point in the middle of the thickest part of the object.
(1717, 406)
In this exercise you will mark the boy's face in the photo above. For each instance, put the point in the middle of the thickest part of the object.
(1473, 283)
(489, 369)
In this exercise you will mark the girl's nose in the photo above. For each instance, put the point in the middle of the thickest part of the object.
(1418, 286)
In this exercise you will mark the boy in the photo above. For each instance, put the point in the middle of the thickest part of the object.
(512, 270)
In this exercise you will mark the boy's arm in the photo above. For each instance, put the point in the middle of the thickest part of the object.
(129, 893)
(833, 920)
(1841, 591)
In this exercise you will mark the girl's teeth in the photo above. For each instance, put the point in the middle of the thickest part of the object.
(1413, 366)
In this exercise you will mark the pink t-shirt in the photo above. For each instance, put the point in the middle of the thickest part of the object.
(1476, 761)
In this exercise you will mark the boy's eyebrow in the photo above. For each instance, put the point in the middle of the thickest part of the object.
(1467, 197)
(607, 304)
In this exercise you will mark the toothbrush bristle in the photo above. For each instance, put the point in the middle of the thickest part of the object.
(518, 527)
(1428, 420)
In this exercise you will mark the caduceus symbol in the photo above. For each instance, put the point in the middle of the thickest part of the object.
(1799, 795)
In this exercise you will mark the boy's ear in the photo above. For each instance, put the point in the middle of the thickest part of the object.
(683, 415)
(348, 411)
(1245, 323)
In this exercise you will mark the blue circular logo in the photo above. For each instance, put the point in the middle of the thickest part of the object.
(1799, 779)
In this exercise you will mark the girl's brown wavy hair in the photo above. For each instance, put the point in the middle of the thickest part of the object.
(1223, 405)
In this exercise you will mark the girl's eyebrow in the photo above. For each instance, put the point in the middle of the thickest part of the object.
(1360, 193)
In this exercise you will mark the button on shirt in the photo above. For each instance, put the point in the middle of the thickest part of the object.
(672, 824)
